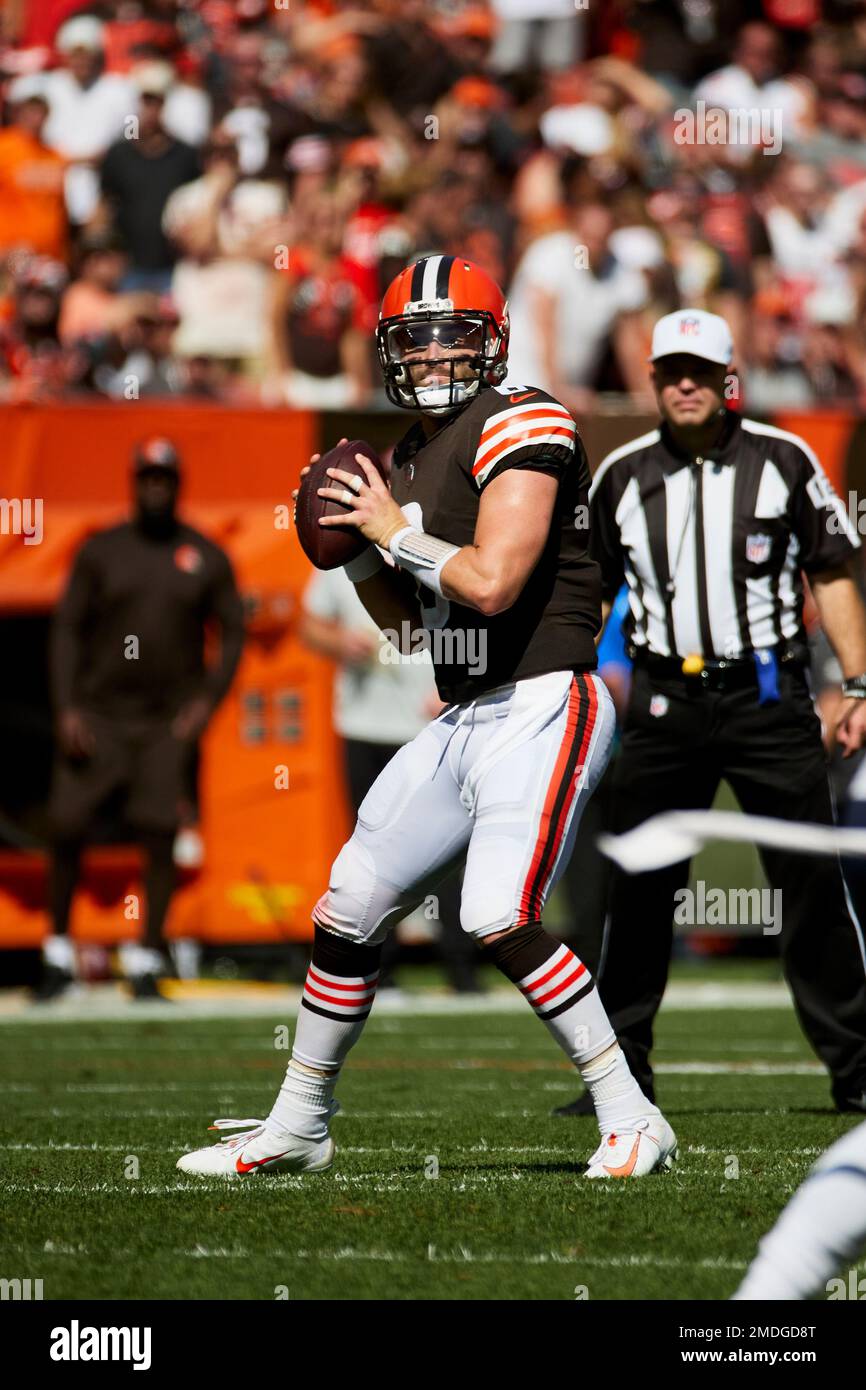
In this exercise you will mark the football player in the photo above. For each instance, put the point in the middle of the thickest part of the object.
(822, 1229)
(486, 522)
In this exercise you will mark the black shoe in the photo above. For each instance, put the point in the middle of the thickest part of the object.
(147, 987)
(850, 1098)
(582, 1105)
(53, 985)
(464, 980)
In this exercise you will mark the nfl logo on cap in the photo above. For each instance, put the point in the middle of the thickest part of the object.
(693, 332)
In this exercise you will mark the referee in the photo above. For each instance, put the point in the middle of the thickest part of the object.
(712, 519)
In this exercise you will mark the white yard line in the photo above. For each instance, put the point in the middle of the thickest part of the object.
(231, 1085)
(104, 1003)
(432, 1255)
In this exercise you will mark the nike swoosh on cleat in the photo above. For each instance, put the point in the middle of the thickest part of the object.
(524, 397)
(248, 1167)
(627, 1168)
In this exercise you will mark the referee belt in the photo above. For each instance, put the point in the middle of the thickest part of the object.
(733, 673)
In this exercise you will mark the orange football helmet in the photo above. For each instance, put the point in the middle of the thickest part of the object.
(442, 305)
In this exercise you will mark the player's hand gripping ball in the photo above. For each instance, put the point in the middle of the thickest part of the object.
(353, 497)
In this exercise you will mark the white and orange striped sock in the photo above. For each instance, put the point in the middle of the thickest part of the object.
(338, 995)
(563, 994)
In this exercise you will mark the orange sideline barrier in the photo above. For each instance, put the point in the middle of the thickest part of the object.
(267, 851)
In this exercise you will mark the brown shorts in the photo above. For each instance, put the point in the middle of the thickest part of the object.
(140, 764)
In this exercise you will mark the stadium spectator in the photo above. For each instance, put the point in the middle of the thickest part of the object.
(32, 206)
(797, 199)
(436, 139)
(92, 305)
(227, 230)
(246, 109)
(186, 112)
(536, 31)
(319, 325)
(87, 110)
(570, 299)
(34, 365)
(754, 82)
(138, 176)
(139, 360)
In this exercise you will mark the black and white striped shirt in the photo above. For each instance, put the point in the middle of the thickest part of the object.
(713, 548)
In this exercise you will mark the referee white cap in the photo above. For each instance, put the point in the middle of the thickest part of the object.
(695, 332)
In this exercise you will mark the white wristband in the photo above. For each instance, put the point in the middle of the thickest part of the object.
(365, 565)
(422, 555)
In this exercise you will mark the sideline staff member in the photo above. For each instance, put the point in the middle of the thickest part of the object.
(129, 716)
(711, 520)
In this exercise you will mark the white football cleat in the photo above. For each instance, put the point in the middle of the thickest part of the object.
(257, 1151)
(649, 1146)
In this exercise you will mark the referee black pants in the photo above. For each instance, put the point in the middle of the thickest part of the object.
(678, 743)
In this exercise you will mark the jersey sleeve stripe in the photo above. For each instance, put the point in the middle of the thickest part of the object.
(527, 432)
(541, 436)
(511, 419)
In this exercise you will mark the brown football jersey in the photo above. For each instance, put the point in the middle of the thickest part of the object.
(438, 483)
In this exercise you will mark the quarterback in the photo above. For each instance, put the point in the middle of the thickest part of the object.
(486, 524)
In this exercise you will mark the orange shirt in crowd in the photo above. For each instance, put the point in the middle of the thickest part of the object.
(32, 207)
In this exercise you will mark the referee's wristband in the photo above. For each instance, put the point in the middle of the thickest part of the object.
(365, 565)
(422, 555)
(854, 688)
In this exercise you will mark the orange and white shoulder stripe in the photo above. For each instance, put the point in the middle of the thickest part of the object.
(539, 423)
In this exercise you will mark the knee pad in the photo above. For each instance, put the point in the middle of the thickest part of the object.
(358, 905)
(487, 912)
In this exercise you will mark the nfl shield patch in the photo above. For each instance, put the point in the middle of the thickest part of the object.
(758, 548)
(658, 706)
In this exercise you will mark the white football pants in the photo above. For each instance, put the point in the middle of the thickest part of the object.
(502, 779)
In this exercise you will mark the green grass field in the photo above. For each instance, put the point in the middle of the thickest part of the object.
(88, 1104)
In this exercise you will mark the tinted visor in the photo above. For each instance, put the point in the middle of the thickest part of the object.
(413, 340)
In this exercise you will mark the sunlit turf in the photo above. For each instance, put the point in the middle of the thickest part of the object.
(451, 1178)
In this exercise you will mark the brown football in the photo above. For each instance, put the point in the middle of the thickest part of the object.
(328, 547)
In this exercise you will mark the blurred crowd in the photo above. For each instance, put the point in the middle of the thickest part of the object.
(205, 198)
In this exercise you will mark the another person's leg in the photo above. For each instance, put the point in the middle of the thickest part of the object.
(158, 796)
(457, 951)
(665, 763)
(58, 949)
(777, 767)
(79, 787)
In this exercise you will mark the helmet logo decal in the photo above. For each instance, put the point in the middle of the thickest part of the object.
(428, 306)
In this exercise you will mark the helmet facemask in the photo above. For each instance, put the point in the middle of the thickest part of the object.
(436, 360)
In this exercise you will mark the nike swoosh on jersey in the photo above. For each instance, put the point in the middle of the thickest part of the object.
(524, 397)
